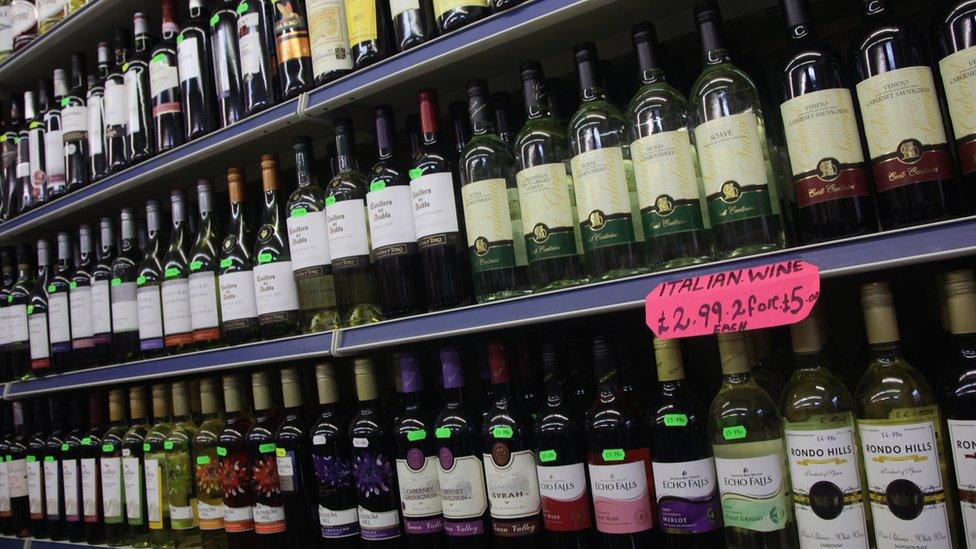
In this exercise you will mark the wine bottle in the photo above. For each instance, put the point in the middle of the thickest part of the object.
(54, 138)
(550, 226)
(294, 463)
(6, 516)
(238, 489)
(413, 23)
(451, 16)
(95, 103)
(7, 279)
(203, 263)
(124, 295)
(193, 54)
(373, 463)
(328, 39)
(36, 143)
(747, 439)
(24, 192)
(101, 295)
(913, 172)
(460, 472)
(23, 23)
(140, 143)
(175, 293)
(393, 239)
(256, 43)
(830, 177)
(275, 290)
(332, 459)
(436, 215)
(154, 468)
(269, 509)
(180, 496)
(35, 474)
(898, 416)
(50, 13)
(664, 163)
(501, 114)
(148, 282)
(59, 308)
(6, 34)
(226, 62)
(368, 23)
(822, 449)
(17, 471)
(37, 314)
(19, 326)
(51, 470)
(498, 5)
(619, 460)
(508, 447)
(461, 124)
(91, 478)
(164, 85)
(115, 104)
(206, 469)
(597, 138)
(110, 468)
(292, 47)
(416, 460)
(954, 44)
(133, 479)
(345, 210)
(74, 126)
(238, 308)
(9, 148)
(492, 216)
(80, 303)
(71, 453)
(309, 244)
(730, 135)
(560, 453)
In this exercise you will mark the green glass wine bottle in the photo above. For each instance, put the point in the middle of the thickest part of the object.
(204, 262)
(206, 470)
(235, 276)
(154, 468)
(133, 477)
(148, 281)
(175, 292)
(180, 494)
(110, 467)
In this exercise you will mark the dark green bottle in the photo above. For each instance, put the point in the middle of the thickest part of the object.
(177, 327)
(148, 283)
(235, 277)
(204, 262)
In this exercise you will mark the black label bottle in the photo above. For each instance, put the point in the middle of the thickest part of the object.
(235, 276)
(194, 55)
(204, 261)
(259, 69)
(175, 290)
(115, 105)
(101, 293)
(74, 126)
(139, 132)
(148, 282)
(164, 85)
(226, 62)
(123, 291)
(95, 103)
(59, 307)
(294, 54)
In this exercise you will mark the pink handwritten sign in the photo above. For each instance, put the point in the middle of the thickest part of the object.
(775, 294)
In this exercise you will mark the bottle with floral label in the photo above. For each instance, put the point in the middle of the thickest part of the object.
(236, 476)
(269, 505)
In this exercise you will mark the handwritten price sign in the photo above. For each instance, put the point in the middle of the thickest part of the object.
(769, 295)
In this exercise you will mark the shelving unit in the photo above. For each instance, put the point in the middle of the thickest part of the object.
(15, 543)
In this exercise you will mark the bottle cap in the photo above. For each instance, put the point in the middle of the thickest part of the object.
(667, 353)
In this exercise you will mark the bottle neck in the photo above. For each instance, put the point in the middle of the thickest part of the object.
(875, 8)
(384, 137)
(346, 151)
(481, 122)
(536, 104)
(591, 88)
(714, 50)
(810, 360)
(429, 121)
(648, 60)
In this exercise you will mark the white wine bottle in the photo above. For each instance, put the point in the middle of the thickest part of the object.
(901, 436)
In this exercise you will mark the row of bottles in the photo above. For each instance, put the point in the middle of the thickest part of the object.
(21, 21)
(578, 463)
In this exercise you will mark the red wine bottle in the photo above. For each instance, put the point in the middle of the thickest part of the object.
(139, 141)
(37, 314)
(292, 47)
(71, 453)
(913, 172)
(54, 138)
(17, 313)
(58, 306)
(226, 62)
(115, 104)
(91, 478)
(269, 504)
(164, 85)
(101, 294)
(6, 516)
(237, 479)
(74, 126)
(149, 281)
(51, 469)
(17, 471)
(35, 460)
(9, 149)
(95, 103)
(7, 279)
(36, 130)
(193, 53)
(80, 301)
(259, 68)
(413, 23)
(294, 463)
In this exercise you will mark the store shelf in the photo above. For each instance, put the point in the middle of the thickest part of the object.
(252, 354)
(861, 254)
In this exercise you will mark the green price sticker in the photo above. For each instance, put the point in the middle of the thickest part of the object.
(281, 452)
(145, 446)
(72, 285)
(51, 288)
(195, 265)
(48, 459)
(203, 460)
(30, 310)
(140, 280)
(264, 257)
(172, 272)
(64, 447)
(442, 432)
(330, 200)
(241, 8)
(108, 447)
(214, 19)
(159, 58)
(9, 457)
(734, 433)
(10, 299)
(267, 448)
(31, 459)
(377, 186)
(221, 451)
(180, 38)
(415, 173)
(416, 434)
(675, 420)
(86, 441)
(116, 281)
(299, 212)
(34, 125)
(614, 454)
(546, 456)
(168, 445)
(226, 262)
(125, 66)
(65, 102)
(502, 431)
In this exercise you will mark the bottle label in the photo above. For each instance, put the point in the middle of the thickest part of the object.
(89, 489)
(48, 10)
(203, 301)
(377, 525)
(154, 493)
(69, 476)
(285, 465)
(824, 144)
(188, 58)
(6, 30)
(434, 208)
(19, 329)
(667, 186)
(291, 36)
(488, 224)
(687, 496)
(95, 121)
(222, 59)
(211, 515)
(827, 490)
(113, 506)
(238, 519)
(361, 21)
(730, 150)
(101, 307)
(249, 42)
(74, 122)
(35, 145)
(176, 311)
(958, 70)
(549, 226)
(275, 289)
(754, 492)
(54, 158)
(35, 494)
(908, 503)
(80, 304)
(348, 237)
(400, 6)
(4, 321)
(443, 6)
(4, 492)
(269, 519)
(181, 517)
(621, 492)
(125, 307)
(133, 124)
(163, 77)
(962, 434)
(602, 198)
(150, 316)
(59, 319)
(513, 491)
(420, 492)
(390, 215)
(237, 301)
(17, 478)
(903, 128)
(40, 348)
(134, 486)
(341, 523)
(308, 240)
(565, 498)
(328, 36)
(462, 482)
(52, 488)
